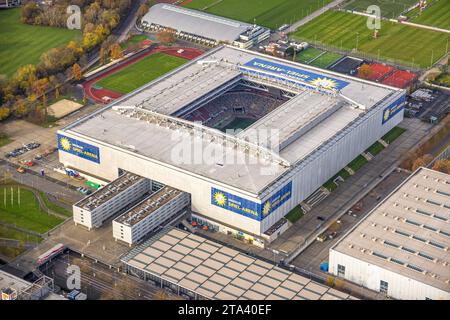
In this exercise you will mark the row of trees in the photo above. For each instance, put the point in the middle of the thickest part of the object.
(19, 94)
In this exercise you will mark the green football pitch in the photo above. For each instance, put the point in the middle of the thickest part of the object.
(22, 44)
(137, 74)
(21, 208)
(389, 8)
(436, 14)
(396, 42)
(238, 123)
(269, 13)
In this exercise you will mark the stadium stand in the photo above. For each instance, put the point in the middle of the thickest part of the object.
(346, 65)
(240, 101)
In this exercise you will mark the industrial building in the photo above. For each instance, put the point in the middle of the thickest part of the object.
(93, 210)
(159, 209)
(197, 268)
(10, 3)
(402, 247)
(307, 124)
(15, 288)
(202, 27)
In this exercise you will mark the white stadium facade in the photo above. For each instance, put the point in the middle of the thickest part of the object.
(172, 131)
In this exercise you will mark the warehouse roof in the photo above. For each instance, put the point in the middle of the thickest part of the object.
(408, 232)
(196, 22)
(217, 272)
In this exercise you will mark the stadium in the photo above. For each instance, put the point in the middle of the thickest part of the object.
(247, 135)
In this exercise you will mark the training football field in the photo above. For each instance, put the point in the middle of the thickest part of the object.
(269, 13)
(389, 8)
(22, 44)
(137, 74)
(396, 43)
(436, 14)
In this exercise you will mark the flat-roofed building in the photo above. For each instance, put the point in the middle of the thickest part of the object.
(202, 269)
(93, 210)
(159, 209)
(402, 247)
(201, 27)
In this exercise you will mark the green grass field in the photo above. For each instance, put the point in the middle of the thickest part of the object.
(375, 149)
(268, 13)
(436, 14)
(22, 44)
(357, 163)
(27, 214)
(325, 60)
(141, 72)
(389, 8)
(295, 214)
(238, 123)
(393, 134)
(306, 55)
(402, 43)
(52, 206)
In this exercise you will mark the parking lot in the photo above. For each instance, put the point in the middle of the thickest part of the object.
(427, 103)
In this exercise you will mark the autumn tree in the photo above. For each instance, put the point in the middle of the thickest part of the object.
(4, 113)
(76, 72)
(116, 51)
(442, 166)
(422, 161)
(143, 9)
(364, 71)
(165, 37)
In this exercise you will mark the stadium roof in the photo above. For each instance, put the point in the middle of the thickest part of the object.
(408, 232)
(196, 22)
(336, 109)
(217, 272)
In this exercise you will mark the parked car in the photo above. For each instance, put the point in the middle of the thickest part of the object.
(320, 218)
(321, 238)
(21, 170)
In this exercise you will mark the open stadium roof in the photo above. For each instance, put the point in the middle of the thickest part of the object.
(196, 22)
(408, 232)
(324, 105)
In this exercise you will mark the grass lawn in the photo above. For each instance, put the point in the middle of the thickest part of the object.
(393, 134)
(54, 207)
(141, 72)
(138, 38)
(22, 44)
(27, 215)
(9, 233)
(326, 59)
(342, 29)
(389, 8)
(442, 80)
(4, 140)
(306, 55)
(375, 149)
(295, 214)
(357, 163)
(268, 13)
(330, 185)
(436, 14)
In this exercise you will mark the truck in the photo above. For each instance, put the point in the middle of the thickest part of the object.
(76, 295)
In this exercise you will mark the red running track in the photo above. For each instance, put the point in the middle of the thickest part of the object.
(98, 94)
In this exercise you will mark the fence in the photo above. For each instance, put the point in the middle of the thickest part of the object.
(443, 155)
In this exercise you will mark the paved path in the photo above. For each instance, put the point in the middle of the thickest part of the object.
(313, 15)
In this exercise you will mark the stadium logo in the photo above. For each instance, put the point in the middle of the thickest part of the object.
(387, 114)
(266, 209)
(65, 144)
(220, 198)
(324, 83)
